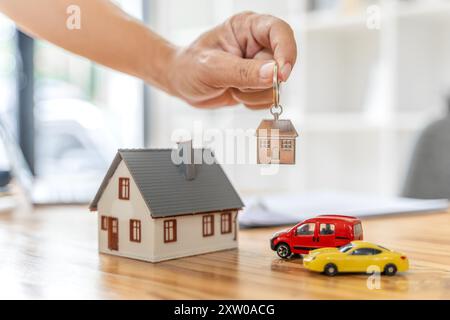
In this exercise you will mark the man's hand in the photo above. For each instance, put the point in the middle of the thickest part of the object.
(233, 63)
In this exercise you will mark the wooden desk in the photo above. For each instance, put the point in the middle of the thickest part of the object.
(52, 253)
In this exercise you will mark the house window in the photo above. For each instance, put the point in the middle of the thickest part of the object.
(124, 188)
(208, 225)
(264, 143)
(225, 222)
(135, 230)
(287, 144)
(104, 223)
(170, 230)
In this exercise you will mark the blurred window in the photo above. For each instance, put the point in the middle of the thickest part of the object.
(363, 252)
(306, 229)
(225, 222)
(124, 188)
(346, 248)
(376, 251)
(8, 69)
(84, 112)
(357, 230)
(264, 143)
(326, 229)
(104, 223)
(135, 230)
(286, 144)
(170, 230)
(208, 225)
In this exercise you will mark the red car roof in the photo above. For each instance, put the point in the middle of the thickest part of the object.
(338, 217)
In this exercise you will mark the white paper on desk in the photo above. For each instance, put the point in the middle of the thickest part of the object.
(289, 209)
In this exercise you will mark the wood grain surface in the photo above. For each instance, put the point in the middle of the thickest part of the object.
(51, 252)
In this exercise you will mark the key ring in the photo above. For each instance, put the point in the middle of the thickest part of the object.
(276, 110)
(276, 87)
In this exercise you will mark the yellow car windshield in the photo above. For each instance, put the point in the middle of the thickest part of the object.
(345, 248)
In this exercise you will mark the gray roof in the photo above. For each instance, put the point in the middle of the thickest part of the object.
(165, 189)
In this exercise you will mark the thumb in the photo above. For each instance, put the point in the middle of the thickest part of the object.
(233, 71)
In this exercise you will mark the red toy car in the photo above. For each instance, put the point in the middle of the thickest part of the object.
(322, 231)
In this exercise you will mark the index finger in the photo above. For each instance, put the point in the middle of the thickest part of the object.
(275, 34)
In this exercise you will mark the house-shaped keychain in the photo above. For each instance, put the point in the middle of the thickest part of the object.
(276, 138)
(276, 142)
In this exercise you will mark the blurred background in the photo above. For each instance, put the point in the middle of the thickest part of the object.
(371, 75)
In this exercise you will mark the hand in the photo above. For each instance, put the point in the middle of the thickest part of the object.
(233, 63)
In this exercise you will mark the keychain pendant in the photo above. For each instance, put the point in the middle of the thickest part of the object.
(276, 138)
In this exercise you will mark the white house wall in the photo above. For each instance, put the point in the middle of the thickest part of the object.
(190, 240)
(110, 205)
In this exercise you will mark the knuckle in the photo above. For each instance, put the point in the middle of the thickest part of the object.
(205, 61)
(205, 58)
(239, 96)
(284, 24)
(246, 71)
(272, 20)
(244, 14)
(268, 19)
(235, 94)
(239, 18)
(231, 102)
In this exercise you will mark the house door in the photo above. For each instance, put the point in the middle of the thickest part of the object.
(113, 234)
(287, 154)
(275, 156)
(264, 153)
(269, 151)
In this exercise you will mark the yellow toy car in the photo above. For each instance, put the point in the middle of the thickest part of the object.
(357, 256)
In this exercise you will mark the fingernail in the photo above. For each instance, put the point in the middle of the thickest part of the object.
(266, 70)
(286, 71)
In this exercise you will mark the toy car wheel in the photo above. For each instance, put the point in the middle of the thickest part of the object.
(390, 270)
(330, 270)
(283, 251)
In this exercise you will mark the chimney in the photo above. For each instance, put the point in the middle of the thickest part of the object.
(186, 151)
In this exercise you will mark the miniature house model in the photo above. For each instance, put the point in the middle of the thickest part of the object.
(152, 209)
(276, 142)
